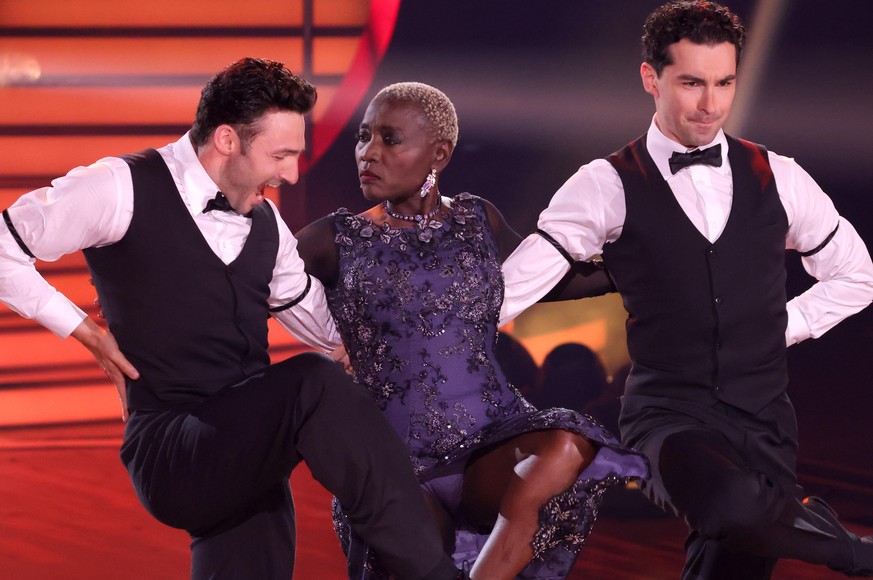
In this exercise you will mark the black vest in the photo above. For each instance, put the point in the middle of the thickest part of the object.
(706, 321)
(189, 323)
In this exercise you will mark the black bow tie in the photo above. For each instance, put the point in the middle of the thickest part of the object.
(219, 202)
(708, 156)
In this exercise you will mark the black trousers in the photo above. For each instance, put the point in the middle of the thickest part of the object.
(732, 476)
(220, 470)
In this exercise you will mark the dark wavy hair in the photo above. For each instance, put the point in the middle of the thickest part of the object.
(699, 21)
(240, 94)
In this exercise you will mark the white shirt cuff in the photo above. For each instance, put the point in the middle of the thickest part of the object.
(797, 329)
(60, 316)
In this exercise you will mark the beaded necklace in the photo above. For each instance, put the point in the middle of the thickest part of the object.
(420, 219)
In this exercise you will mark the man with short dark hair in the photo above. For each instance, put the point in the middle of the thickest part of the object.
(693, 226)
(189, 261)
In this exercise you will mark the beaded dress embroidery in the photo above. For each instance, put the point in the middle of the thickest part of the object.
(417, 309)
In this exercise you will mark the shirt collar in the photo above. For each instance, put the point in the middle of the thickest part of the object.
(661, 147)
(195, 185)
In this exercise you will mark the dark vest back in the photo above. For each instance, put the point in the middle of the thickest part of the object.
(706, 321)
(189, 323)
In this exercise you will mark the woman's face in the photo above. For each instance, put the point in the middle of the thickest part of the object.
(395, 151)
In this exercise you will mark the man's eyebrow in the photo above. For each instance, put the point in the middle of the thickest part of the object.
(287, 151)
(690, 77)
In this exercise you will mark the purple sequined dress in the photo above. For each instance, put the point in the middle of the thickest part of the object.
(417, 309)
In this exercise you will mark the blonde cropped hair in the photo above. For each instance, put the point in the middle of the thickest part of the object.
(432, 102)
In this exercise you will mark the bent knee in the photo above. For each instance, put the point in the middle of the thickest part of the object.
(739, 504)
(563, 455)
(569, 447)
(312, 376)
(313, 367)
(312, 362)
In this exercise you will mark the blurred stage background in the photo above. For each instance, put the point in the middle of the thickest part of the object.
(540, 89)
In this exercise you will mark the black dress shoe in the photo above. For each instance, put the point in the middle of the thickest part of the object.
(861, 546)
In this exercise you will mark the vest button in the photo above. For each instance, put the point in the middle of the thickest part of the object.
(229, 270)
(718, 300)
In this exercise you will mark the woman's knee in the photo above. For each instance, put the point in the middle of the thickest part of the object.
(566, 450)
(553, 460)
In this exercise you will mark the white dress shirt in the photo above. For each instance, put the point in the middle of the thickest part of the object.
(588, 211)
(93, 206)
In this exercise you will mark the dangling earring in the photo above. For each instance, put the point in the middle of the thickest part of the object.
(428, 183)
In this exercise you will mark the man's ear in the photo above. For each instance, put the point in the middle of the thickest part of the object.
(225, 140)
(649, 78)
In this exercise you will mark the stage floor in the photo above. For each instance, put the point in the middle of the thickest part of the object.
(67, 510)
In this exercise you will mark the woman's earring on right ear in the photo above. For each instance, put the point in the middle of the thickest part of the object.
(429, 181)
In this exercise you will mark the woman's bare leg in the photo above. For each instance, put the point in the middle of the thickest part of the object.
(507, 487)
